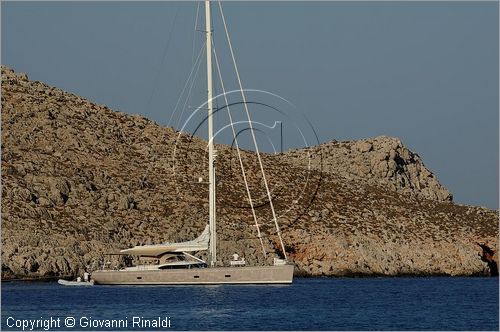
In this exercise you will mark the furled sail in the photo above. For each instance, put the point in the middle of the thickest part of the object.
(200, 243)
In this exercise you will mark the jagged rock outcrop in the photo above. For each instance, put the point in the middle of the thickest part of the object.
(381, 161)
(80, 180)
(491, 258)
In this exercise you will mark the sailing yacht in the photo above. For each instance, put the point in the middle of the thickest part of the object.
(176, 263)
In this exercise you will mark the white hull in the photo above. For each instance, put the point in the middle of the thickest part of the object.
(197, 276)
(75, 283)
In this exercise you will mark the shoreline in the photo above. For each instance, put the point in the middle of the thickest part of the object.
(299, 276)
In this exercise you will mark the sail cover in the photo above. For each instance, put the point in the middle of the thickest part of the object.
(200, 243)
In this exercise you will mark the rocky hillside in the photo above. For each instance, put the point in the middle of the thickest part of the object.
(80, 180)
(380, 161)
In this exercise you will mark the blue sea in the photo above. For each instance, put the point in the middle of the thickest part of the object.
(438, 303)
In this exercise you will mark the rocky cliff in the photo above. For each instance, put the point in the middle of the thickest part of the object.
(380, 161)
(80, 180)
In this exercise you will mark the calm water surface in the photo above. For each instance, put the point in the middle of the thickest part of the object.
(307, 304)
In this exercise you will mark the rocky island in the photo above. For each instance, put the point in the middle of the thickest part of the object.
(80, 180)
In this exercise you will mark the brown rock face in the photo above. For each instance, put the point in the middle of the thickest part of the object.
(491, 258)
(381, 161)
(80, 180)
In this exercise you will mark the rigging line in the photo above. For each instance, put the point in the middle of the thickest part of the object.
(165, 50)
(186, 84)
(239, 152)
(215, 86)
(193, 81)
(195, 31)
(252, 131)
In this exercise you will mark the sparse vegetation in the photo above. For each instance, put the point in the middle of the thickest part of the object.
(80, 180)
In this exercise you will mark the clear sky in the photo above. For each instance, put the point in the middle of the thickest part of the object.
(424, 72)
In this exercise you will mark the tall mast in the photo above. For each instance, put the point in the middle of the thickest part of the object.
(211, 166)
